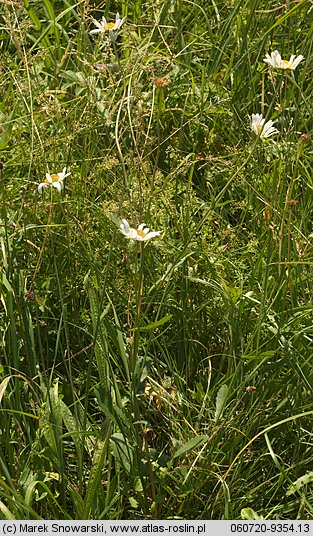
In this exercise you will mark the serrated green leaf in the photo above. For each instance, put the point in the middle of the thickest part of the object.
(133, 503)
(220, 401)
(248, 513)
(123, 452)
(4, 140)
(297, 484)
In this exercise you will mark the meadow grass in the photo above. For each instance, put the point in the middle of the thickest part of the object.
(170, 378)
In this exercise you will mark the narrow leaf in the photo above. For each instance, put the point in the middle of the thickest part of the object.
(193, 443)
(3, 386)
(156, 324)
(96, 472)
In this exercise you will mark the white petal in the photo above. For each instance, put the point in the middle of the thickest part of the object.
(57, 185)
(297, 61)
(276, 56)
(119, 23)
(41, 186)
(147, 236)
(97, 23)
(268, 59)
(125, 225)
(268, 130)
(257, 121)
(255, 129)
(125, 229)
(133, 234)
(152, 235)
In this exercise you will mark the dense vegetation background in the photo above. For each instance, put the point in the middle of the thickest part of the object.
(169, 378)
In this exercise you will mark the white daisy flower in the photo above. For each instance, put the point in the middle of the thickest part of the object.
(54, 180)
(141, 234)
(275, 60)
(103, 26)
(260, 128)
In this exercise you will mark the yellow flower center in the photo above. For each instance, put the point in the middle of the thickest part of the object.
(111, 25)
(287, 63)
(53, 178)
(259, 128)
(141, 233)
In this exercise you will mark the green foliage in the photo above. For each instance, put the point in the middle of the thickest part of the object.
(169, 378)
